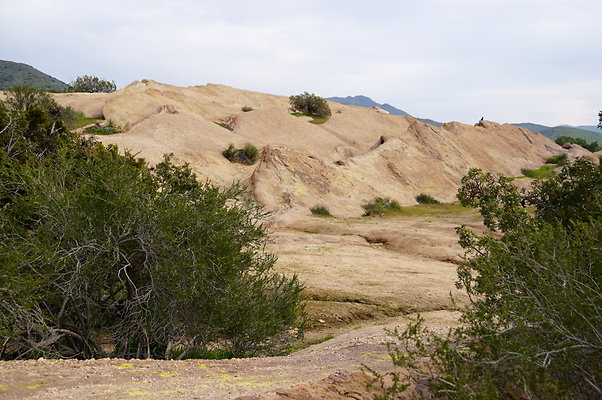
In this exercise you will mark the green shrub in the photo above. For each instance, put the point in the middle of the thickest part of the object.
(532, 329)
(558, 159)
(91, 84)
(247, 155)
(247, 108)
(320, 211)
(310, 105)
(426, 199)
(95, 245)
(381, 206)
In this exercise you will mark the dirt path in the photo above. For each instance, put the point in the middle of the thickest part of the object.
(204, 379)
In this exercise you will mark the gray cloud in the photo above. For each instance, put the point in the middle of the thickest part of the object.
(510, 60)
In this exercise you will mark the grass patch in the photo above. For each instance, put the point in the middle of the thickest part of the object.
(314, 120)
(542, 172)
(311, 231)
(318, 121)
(320, 211)
(110, 128)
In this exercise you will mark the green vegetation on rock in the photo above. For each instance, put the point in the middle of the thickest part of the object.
(381, 206)
(321, 211)
(247, 155)
(310, 105)
(423, 198)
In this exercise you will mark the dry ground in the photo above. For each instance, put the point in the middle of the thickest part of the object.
(361, 275)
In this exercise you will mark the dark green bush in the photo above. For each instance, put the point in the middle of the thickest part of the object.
(533, 329)
(381, 206)
(426, 199)
(94, 245)
(247, 108)
(91, 84)
(310, 104)
(320, 211)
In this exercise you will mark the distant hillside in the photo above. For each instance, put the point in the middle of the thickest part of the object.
(12, 73)
(592, 128)
(364, 101)
(563, 130)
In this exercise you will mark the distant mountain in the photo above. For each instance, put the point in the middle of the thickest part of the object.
(12, 73)
(592, 128)
(364, 101)
(563, 130)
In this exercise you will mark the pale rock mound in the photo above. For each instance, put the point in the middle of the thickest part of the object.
(357, 155)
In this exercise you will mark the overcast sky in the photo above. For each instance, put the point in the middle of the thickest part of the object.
(507, 60)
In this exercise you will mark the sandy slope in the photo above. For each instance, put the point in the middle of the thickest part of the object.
(355, 156)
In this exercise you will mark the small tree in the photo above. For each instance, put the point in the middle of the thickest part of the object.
(91, 84)
(310, 104)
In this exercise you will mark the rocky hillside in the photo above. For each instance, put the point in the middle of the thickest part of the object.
(357, 155)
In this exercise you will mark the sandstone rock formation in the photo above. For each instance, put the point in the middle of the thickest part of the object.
(358, 154)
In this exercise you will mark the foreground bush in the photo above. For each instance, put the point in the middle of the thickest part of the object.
(96, 246)
(533, 329)
(310, 104)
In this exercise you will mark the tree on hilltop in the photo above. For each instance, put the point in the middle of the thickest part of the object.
(310, 104)
(91, 84)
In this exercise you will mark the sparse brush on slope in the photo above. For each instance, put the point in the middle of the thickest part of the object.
(426, 199)
(247, 155)
(381, 206)
(320, 210)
